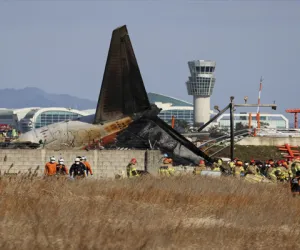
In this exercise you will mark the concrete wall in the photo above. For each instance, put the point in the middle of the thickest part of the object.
(270, 141)
(105, 164)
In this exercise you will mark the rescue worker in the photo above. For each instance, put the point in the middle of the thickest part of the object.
(215, 167)
(288, 166)
(61, 168)
(295, 184)
(171, 170)
(238, 169)
(163, 170)
(296, 165)
(87, 165)
(279, 174)
(220, 162)
(271, 173)
(252, 168)
(77, 169)
(166, 169)
(284, 170)
(246, 165)
(259, 165)
(253, 174)
(232, 166)
(200, 168)
(50, 167)
(264, 168)
(289, 163)
(131, 170)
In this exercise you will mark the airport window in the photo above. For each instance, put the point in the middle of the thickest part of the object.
(30, 114)
(50, 117)
(6, 117)
(263, 118)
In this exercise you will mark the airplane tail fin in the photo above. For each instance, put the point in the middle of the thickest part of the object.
(122, 92)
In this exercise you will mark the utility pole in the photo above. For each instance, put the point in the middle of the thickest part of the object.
(231, 128)
(258, 104)
(232, 107)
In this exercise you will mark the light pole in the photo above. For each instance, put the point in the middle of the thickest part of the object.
(231, 127)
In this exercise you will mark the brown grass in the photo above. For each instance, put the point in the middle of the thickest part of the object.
(147, 213)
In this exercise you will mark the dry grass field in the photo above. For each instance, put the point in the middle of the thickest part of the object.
(147, 213)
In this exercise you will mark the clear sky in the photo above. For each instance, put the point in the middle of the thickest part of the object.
(61, 46)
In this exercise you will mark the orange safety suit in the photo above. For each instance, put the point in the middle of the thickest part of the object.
(50, 168)
(88, 167)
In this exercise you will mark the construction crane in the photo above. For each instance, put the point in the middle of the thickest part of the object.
(295, 112)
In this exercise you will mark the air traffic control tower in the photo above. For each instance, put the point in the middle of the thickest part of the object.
(200, 85)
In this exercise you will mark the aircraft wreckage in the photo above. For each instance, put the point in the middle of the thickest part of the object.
(124, 117)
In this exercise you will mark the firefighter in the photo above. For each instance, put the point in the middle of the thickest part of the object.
(287, 165)
(271, 172)
(266, 168)
(232, 166)
(131, 170)
(61, 168)
(284, 169)
(253, 174)
(163, 171)
(78, 169)
(295, 184)
(252, 168)
(246, 165)
(168, 162)
(171, 170)
(87, 165)
(239, 169)
(200, 168)
(50, 167)
(166, 169)
(296, 165)
(220, 162)
(280, 171)
(215, 167)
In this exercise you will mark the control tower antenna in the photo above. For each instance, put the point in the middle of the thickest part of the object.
(200, 85)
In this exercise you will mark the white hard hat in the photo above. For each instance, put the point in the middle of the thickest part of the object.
(77, 159)
(61, 160)
(83, 158)
(52, 158)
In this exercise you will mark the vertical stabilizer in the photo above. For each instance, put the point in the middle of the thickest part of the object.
(122, 92)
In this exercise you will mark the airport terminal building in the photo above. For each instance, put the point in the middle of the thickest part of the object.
(40, 117)
(274, 121)
(171, 106)
(27, 119)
